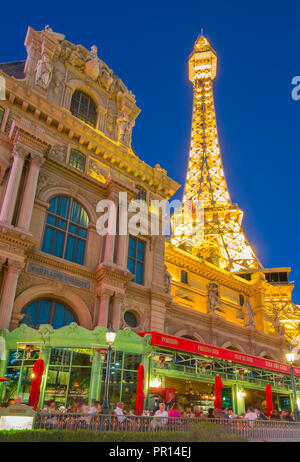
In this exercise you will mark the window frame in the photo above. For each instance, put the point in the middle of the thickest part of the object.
(186, 274)
(136, 260)
(78, 114)
(66, 231)
(83, 156)
(52, 310)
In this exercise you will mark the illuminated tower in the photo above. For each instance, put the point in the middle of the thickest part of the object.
(223, 242)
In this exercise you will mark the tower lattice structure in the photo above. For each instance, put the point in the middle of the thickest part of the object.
(223, 241)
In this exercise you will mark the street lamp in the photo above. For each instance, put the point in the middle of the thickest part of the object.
(110, 338)
(290, 356)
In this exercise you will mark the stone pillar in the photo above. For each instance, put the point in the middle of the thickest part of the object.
(10, 197)
(8, 293)
(103, 309)
(123, 237)
(29, 192)
(116, 309)
(110, 237)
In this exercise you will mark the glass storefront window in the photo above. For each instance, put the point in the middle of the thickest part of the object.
(123, 379)
(69, 375)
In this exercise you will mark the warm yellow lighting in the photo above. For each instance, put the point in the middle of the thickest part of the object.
(162, 358)
(290, 356)
(221, 240)
(110, 335)
(241, 395)
(155, 383)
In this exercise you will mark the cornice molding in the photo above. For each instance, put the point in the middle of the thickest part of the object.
(96, 142)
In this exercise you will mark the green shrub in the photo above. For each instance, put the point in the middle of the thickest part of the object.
(201, 432)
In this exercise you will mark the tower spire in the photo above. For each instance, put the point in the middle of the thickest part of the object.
(223, 242)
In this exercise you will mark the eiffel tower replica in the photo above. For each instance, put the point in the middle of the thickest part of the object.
(223, 241)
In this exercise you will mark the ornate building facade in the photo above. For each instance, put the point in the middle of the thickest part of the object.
(65, 144)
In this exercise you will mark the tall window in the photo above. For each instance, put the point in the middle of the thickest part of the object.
(136, 256)
(83, 107)
(184, 277)
(47, 312)
(66, 229)
(77, 160)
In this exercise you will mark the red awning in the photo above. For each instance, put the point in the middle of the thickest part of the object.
(191, 346)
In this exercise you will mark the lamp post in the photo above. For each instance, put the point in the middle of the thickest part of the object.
(110, 338)
(290, 356)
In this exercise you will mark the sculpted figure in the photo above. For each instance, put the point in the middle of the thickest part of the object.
(279, 328)
(76, 56)
(92, 64)
(249, 314)
(168, 280)
(212, 297)
(106, 76)
(43, 72)
(123, 124)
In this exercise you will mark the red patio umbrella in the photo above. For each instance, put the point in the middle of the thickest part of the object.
(140, 396)
(269, 401)
(34, 394)
(218, 392)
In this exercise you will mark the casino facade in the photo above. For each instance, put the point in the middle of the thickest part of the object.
(187, 311)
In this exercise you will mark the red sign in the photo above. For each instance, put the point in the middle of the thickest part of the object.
(191, 346)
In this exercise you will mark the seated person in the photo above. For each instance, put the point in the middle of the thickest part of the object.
(119, 412)
(198, 412)
(161, 417)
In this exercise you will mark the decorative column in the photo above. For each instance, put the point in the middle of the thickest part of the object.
(9, 202)
(8, 293)
(123, 237)
(103, 309)
(116, 308)
(29, 193)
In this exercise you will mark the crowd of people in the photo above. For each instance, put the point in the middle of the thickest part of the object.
(161, 413)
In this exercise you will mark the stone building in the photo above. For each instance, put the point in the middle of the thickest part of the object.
(65, 144)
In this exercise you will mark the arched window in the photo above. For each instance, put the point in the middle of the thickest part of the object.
(47, 312)
(66, 229)
(83, 107)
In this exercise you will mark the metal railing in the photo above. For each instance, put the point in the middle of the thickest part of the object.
(253, 430)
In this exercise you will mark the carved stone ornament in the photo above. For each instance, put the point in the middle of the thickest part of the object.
(106, 77)
(249, 314)
(278, 327)
(58, 152)
(212, 297)
(97, 171)
(168, 280)
(92, 64)
(43, 72)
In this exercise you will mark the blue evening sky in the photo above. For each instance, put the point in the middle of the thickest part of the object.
(147, 44)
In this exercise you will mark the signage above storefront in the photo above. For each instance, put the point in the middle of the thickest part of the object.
(57, 276)
(192, 346)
